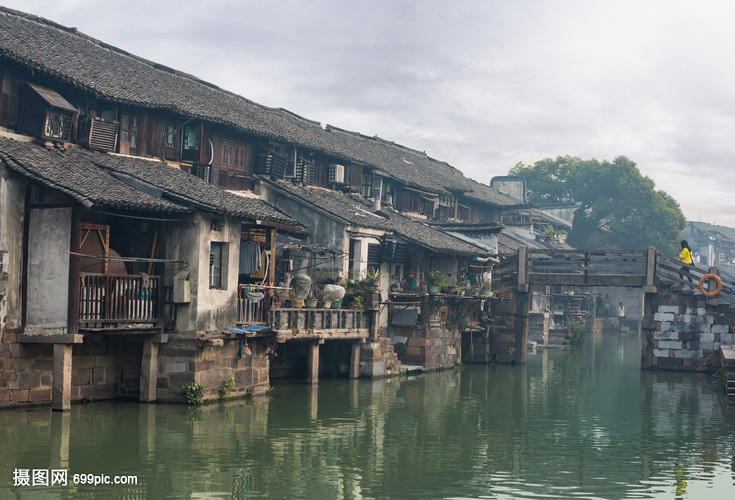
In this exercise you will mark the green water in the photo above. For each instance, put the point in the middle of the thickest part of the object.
(585, 424)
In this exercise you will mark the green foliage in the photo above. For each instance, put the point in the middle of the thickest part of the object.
(194, 393)
(615, 198)
(436, 279)
(577, 333)
(249, 392)
(226, 386)
(372, 274)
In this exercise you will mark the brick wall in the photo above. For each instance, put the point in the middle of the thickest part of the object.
(684, 332)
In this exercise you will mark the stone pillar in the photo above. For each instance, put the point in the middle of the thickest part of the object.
(312, 360)
(355, 360)
(149, 371)
(523, 304)
(61, 392)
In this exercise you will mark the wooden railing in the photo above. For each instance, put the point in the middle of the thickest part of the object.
(671, 269)
(253, 306)
(118, 300)
(607, 267)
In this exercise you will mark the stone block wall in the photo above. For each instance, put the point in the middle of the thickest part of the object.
(210, 362)
(538, 328)
(101, 369)
(378, 359)
(432, 347)
(502, 332)
(476, 345)
(684, 332)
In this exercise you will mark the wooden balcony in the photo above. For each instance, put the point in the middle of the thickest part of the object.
(118, 302)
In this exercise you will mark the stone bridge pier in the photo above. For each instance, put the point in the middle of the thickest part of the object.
(685, 330)
(682, 329)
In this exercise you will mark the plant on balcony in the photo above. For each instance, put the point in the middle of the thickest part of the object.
(372, 275)
(435, 281)
(310, 301)
(358, 303)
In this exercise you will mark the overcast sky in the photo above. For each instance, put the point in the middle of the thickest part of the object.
(481, 85)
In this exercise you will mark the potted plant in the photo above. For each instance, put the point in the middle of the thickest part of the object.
(435, 281)
(310, 301)
(357, 303)
(321, 300)
(372, 275)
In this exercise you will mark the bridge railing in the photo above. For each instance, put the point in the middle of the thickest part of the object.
(590, 268)
(671, 269)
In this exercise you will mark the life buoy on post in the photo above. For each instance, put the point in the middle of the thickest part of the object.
(714, 292)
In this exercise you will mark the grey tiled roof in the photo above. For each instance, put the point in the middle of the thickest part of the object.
(109, 181)
(112, 74)
(354, 210)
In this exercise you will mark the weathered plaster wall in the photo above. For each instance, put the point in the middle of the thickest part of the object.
(12, 200)
(210, 309)
(48, 268)
(322, 230)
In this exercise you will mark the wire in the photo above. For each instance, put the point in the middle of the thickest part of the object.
(125, 259)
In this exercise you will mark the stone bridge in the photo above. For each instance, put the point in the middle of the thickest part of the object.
(683, 329)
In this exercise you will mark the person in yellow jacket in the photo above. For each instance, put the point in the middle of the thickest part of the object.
(686, 259)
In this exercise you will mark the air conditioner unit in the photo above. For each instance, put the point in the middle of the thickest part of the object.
(98, 134)
(337, 173)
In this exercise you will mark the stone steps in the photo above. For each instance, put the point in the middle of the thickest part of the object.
(728, 362)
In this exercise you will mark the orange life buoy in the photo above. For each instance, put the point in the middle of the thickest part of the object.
(716, 290)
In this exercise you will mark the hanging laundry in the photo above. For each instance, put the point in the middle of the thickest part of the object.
(249, 257)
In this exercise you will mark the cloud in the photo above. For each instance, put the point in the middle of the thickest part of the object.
(479, 84)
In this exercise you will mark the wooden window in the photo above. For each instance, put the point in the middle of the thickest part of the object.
(129, 133)
(373, 256)
(367, 183)
(355, 176)
(191, 142)
(216, 260)
(463, 213)
(172, 145)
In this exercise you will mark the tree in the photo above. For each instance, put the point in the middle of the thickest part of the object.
(617, 202)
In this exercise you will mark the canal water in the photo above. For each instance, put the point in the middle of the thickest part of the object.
(568, 424)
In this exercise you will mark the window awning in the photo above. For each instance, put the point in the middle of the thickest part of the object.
(52, 97)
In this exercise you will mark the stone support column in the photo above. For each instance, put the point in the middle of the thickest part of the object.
(355, 360)
(523, 303)
(61, 392)
(149, 371)
(312, 359)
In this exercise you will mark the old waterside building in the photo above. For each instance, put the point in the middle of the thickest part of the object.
(129, 193)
